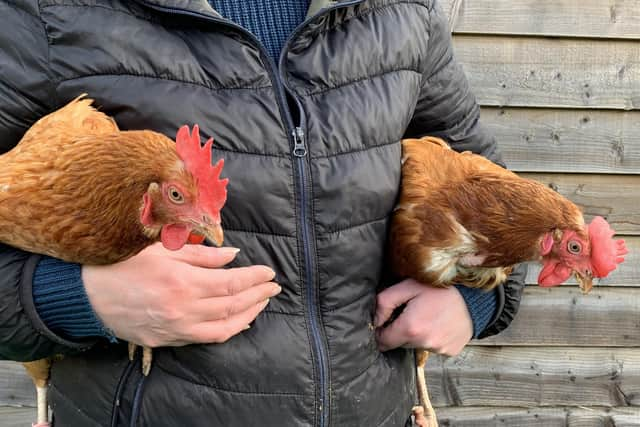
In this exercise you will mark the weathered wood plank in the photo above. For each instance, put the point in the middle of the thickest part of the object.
(555, 140)
(522, 71)
(522, 376)
(16, 417)
(563, 316)
(616, 198)
(627, 273)
(16, 389)
(569, 18)
(538, 417)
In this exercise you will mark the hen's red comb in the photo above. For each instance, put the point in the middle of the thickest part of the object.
(606, 253)
(197, 159)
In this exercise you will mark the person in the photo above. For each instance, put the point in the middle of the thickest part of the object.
(307, 103)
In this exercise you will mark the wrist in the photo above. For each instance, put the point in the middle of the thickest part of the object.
(481, 305)
(61, 300)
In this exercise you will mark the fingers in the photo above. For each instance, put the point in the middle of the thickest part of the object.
(219, 331)
(392, 298)
(217, 308)
(204, 256)
(393, 336)
(232, 281)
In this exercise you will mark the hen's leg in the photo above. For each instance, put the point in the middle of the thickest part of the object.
(39, 372)
(146, 360)
(132, 351)
(424, 414)
(146, 357)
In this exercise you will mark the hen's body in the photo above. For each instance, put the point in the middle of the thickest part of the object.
(463, 219)
(72, 188)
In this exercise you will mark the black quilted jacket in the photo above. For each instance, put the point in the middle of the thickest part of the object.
(313, 155)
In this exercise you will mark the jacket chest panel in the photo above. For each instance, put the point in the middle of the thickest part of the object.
(118, 39)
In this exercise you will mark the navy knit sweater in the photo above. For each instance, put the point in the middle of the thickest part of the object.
(58, 291)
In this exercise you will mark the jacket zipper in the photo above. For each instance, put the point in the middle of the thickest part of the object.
(124, 377)
(314, 315)
(297, 137)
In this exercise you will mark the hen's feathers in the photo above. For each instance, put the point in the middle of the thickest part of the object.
(72, 187)
(463, 219)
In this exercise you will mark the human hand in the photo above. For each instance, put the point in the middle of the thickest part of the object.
(434, 319)
(173, 298)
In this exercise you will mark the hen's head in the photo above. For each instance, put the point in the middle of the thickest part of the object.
(588, 253)
(185, 205)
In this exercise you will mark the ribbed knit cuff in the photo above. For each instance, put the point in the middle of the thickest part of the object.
(482, 306)
(61, 300)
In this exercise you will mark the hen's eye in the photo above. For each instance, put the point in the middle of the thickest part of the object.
(574, 247)
(175, 195)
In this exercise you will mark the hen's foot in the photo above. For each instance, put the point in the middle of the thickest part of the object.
(147, 355)
(423, 419)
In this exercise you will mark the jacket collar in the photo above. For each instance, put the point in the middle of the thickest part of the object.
(198, 6)
(317, 5)
(203, 7)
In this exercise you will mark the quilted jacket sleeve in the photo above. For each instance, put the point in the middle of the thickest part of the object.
(26, 93)
(448, 109)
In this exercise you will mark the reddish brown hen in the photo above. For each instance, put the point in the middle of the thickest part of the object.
(79, 189)
(462, 219)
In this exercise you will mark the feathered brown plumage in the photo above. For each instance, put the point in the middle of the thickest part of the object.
(69, 188)
(462, 219)
(79, 189)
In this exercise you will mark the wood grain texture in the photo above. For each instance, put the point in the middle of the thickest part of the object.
(523, 376)
(565, 317)
(556, 140)
(16, 417)
(524, 71)
(567, 18)
(538, 417)
(627, 274)
(615, 198)
(16, 388)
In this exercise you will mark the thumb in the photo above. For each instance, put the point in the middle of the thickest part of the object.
(393, 297)
(205, 256)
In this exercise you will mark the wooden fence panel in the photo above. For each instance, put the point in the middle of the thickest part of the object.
(563, 316)
(541, 72)
(555, 140)
(568, 18)
(533, 376)
(16, 388)
(614, 197)
(538, 417)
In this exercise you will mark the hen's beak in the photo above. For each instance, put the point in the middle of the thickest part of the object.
(585, 280)
(213, 233)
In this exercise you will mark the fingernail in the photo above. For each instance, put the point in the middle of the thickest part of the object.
(265, 303)
(229, 250)
(277, 289)
(271, 272)
(247, 327)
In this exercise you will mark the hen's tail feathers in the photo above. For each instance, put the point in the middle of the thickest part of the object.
(78, 117)
(436, 141)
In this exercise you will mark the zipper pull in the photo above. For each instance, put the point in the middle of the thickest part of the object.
(299, 149)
